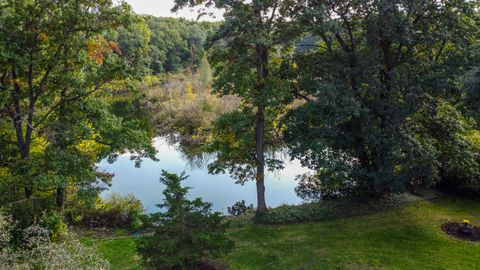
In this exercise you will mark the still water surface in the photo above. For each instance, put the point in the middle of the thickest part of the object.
(220, 190)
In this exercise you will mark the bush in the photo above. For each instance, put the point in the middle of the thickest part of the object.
(340, 208)
(6, 225)
(186, 233)
(116, 211)
(55, 225)
(239, 208)
(455, 140)
(121, 211)
(37, 251)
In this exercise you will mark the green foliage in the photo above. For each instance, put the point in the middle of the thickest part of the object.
(246, 59)
(376, 66)
(233, 142)
(155, 45)
(233, 139)
(134, 44)
(332, 209)
(120, 232)
(55, 225)
(6, 224)
(471, 88)
(185, 233)
(446, 130)
(115, 211)
(324, 185)
(37, 251)
(176, 44)
(239, 208)
(60, 65)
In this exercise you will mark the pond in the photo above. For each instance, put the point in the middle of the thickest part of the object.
(220, 190)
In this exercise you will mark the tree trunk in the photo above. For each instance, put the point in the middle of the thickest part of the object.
(262, 73)
(25, 155)
(17, 120)
(260, 156)
(60, 197)
(62, 143)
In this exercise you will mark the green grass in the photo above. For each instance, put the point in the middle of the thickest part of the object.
(121, 252)
(406, 238)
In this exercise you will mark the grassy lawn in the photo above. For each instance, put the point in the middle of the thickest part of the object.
(120, 252)
(407, 238)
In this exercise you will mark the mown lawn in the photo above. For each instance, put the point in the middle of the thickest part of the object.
(121, 252)
(407, 238)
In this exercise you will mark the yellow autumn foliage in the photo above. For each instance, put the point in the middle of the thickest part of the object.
(189, 91)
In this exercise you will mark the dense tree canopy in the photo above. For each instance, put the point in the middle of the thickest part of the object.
(384, 84)
(176, 44)
(59, 66)
(173, 44)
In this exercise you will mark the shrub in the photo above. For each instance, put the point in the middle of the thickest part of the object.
(37, 251)
(186, 233)
(55, 225)
(330, 209)
(121, 211)
(116, 211)
(239, 208)
(5, 227)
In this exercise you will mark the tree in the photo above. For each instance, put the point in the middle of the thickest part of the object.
(377, 65)
(58, 71)
(471, 88)
(186, 233)
(245, 46)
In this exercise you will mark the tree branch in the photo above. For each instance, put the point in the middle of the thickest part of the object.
(52, 109)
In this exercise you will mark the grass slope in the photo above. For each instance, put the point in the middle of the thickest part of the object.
(406, 238)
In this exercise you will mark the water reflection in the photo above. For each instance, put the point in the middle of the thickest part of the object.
(220, 190)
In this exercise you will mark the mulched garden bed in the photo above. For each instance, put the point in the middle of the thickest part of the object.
(455, 229)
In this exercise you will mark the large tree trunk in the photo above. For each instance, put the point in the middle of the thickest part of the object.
(16, 115)
(260, 156)
(262, 73)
